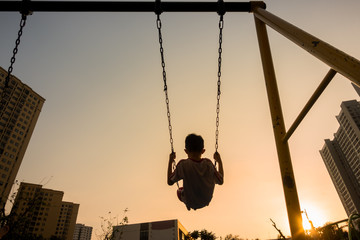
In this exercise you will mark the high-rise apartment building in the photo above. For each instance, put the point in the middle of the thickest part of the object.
(342, 156)
(82, 232)
(20, 107)
(41, 212)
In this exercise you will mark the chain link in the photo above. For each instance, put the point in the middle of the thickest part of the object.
(12, 61)
(221, 26)
(158, 24)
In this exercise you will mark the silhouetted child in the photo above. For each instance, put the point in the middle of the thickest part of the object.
(199, 175)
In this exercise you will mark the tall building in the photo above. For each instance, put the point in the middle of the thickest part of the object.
(19, 112)
(42, 212)
(342, 156)
(82, 232)
(161, 230)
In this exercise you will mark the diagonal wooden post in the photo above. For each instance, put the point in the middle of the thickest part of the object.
(336, 59)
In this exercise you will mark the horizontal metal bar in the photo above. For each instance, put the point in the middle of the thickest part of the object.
(325, 82)
(92, 6)
(341, 62)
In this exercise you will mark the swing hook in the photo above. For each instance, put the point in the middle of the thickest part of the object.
(221, 8)
(158, 10)
(25, 8)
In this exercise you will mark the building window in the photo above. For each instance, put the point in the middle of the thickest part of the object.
(182, 236)
(144, 235)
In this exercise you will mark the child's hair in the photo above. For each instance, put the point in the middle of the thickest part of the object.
(194, 143)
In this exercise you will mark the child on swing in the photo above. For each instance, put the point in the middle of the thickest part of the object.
(199, 175)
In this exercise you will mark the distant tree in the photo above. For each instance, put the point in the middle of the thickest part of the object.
(107, 227)
(232, 237)
(203, 234)
(329, 232)
(194, 234)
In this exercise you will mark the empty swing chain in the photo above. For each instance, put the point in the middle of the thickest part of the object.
(221, 26)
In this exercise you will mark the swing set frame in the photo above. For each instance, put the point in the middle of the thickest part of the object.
(338, 61)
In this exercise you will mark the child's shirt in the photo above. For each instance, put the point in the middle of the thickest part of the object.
(199, 178)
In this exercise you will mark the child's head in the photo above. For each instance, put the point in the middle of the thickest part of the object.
(194, 143)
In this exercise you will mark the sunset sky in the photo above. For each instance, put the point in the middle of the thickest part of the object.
(102, 136)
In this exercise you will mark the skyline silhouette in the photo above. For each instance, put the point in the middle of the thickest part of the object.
(102, 134)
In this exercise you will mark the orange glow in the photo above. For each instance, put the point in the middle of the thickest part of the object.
(314, 215)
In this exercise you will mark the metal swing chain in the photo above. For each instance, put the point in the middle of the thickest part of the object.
(158, 23)
(12, 61)
(221, 26)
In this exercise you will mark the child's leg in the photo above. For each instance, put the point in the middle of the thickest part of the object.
(180, 194)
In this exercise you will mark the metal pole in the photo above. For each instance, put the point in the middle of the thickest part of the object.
(341, 62)
(93, 6)
(286, 169)
(327, 79)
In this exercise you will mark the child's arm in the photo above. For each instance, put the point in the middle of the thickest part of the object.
(221, 169)
(170, 171)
